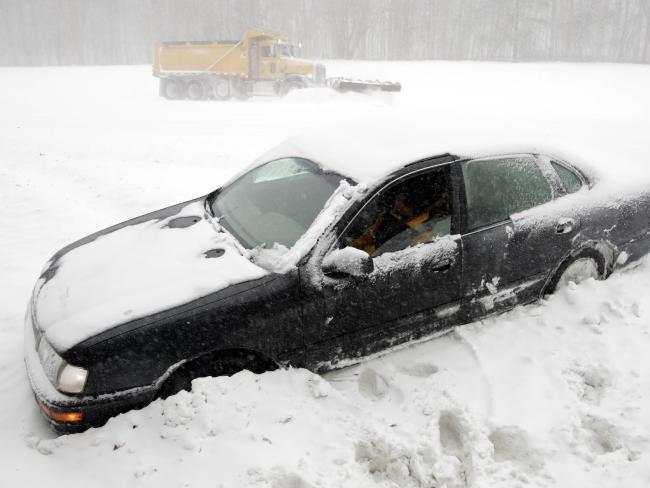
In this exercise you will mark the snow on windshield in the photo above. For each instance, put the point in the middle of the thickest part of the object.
(274, 203)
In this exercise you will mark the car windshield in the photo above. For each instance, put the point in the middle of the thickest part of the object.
(274, 203)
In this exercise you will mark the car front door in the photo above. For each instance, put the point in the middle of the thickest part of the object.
(414, 287)
(512, 238)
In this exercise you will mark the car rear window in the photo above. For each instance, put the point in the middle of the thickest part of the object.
(569, 179)
(496, 188)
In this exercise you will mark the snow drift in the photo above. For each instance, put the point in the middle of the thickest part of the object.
(562, 407)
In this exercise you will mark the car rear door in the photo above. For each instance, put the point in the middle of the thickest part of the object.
(512, 238)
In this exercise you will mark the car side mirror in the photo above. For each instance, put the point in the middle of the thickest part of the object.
(348, 261)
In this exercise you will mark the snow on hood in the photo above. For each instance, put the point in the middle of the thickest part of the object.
(135, 271)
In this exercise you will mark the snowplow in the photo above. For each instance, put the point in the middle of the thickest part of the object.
(261, 63)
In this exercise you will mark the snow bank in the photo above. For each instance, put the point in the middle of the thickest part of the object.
(552, 394)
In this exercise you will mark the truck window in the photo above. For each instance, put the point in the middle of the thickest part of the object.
(286, 50)
(268, 51)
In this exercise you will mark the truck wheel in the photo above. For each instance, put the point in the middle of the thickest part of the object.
(240, 90)
(195, 90)
(279, 88)
(172, 89)
(221, 89)
(292, 84)
(242, 95)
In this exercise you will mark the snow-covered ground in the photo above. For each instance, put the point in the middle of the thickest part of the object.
(552, 394)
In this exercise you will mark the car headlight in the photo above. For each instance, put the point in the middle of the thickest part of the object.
(65, 377)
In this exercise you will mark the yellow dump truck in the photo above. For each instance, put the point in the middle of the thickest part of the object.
(261, 63)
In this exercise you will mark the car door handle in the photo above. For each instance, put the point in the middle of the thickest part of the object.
(444, 266)
(565, 226)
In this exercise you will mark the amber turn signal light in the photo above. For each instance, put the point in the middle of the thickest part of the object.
(70, 417)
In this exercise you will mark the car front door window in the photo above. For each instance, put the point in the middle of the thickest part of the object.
(410, 212)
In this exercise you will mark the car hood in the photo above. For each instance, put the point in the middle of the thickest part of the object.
(134, 269)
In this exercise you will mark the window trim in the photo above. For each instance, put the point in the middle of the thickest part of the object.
(491, 226)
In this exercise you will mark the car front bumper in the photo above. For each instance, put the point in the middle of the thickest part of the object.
(69, 413)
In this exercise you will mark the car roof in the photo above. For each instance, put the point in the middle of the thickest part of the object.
(370, 153)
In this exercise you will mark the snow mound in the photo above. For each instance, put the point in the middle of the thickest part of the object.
(549, 394)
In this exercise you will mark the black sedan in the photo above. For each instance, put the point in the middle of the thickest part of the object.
(312, 260)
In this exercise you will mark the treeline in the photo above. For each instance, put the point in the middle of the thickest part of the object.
(62, 32)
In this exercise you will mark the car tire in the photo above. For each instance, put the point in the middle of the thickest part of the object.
(201, 367)
(586, 264)
(179, 380)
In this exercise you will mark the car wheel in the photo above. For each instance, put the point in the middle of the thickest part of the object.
(225, 365)
(179, 380)
(587, 264)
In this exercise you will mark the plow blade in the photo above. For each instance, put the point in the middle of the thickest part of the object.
(349, 85)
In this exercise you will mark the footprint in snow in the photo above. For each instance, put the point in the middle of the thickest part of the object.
(588, 382)
(513, 445)
(452, 445)
(375, 386)
(601, 435)
(420, 370)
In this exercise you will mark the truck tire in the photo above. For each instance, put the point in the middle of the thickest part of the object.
(172, 89)
(221, 88)
(239, 89)
(195, 90)
(291, 84)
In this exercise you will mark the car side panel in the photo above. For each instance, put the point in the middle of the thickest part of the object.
(620, 225)
(632, 232)
(261, 315)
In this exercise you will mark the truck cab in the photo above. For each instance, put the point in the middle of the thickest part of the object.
(272, 59)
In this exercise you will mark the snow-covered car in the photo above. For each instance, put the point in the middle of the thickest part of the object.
(321, 253)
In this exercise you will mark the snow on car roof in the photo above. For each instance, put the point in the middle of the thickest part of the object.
(369, 152)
